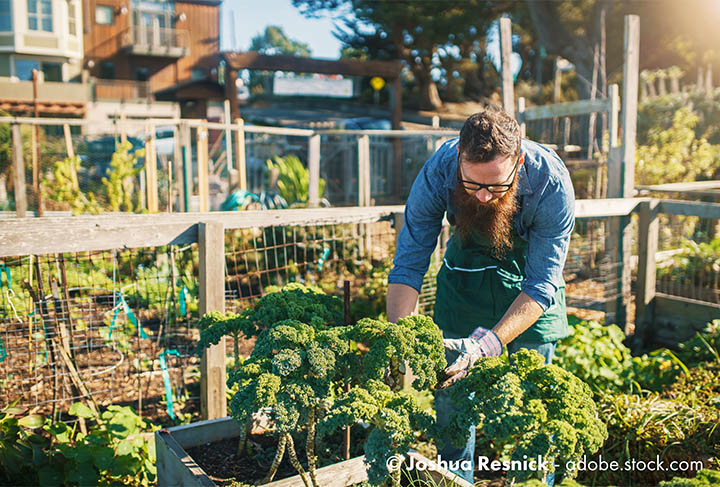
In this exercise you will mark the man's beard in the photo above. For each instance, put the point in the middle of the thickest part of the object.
(493, 219)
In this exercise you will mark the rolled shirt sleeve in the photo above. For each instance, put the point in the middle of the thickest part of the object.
(549, 240)
(424, 213)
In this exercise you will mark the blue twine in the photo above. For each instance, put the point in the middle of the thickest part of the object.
(131, 316)
(5, 268)
(183, 300)
(323, 258)
(166, 380)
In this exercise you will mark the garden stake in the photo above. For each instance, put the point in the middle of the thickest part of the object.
(66, 296)
(346, 303)
(40, 303)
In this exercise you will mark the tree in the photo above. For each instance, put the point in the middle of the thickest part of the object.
(420, 33)
(273, 41)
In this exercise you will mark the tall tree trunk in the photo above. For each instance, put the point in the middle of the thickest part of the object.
(429, 96)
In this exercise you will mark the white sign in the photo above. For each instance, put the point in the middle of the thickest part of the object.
(336, 88)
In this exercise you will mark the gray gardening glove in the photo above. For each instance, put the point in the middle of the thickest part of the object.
(481, 343)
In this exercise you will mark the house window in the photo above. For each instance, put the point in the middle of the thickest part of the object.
(103, 15)
(24, 68)
(72, 19)
(142, 74)
(5, 16)
(52, 71)
(40, 15)
(107, 70)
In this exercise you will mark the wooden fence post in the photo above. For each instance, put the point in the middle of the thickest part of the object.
(187, 165)
(19, 173)
(211, 247)
(363, 150)
(648, 230)
(177, 166)
(202, 158)
(508, 95)
(314, 170)
(151, 183)
(228, 139)
(241, 171)
(621, 180)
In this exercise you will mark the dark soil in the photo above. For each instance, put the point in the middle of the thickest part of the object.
(220, 462)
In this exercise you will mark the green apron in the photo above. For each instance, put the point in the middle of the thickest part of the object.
(474, 289)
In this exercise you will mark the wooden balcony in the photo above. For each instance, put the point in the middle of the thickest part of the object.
(142, 40)
(120, 90)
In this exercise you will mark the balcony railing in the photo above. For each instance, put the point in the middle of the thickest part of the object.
(153, 40)
(123, 90)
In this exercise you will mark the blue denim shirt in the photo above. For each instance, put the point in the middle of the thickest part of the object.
(546, 218)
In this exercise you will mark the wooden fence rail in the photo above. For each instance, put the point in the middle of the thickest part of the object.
(657, 315)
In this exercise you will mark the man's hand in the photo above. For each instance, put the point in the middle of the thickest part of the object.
(481, 343)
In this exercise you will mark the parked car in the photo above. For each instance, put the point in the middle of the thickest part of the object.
(364, 123)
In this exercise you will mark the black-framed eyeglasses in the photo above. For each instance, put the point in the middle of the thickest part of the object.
(474, 187)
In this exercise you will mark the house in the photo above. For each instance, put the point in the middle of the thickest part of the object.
(164, 52)
(101, 59)
(45, 35)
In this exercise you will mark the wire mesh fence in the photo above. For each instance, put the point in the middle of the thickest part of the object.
(582, 149)
(91, 325)
(191, 165)
(94, 325)
(688, 258)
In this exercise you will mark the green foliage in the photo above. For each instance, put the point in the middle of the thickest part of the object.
(304, 360)
(413, 339)
(119, 182)
(34, 450)
(64, 187)
(698, 263)
(704, 478)
(528, 408)
(676, 154)
(293, 179)
(675, 426)
(596, 353)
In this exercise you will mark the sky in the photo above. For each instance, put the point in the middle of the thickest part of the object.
(252, 16)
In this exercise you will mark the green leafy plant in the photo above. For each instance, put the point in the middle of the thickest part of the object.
(292, 179)
(64, 187)
(316, 376)
(528, 408)
(676, 154)
(34, 450)
(704, 478)
(596, 354)
(119, 183)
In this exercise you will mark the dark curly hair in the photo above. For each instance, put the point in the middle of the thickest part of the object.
(489, 134)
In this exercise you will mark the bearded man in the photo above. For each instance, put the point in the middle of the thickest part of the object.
(511, 202)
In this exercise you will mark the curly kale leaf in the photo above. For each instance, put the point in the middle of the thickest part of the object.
(297, 302)
(530, 407)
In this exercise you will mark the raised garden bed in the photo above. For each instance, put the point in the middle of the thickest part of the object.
(175, 467)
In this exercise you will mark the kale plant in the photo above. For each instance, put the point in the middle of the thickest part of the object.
(528, 408)
(316, 377)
